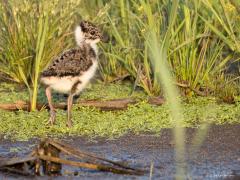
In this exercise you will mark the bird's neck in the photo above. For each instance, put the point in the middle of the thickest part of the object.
(79, 37)
(81, 41)
(89, 45)
(94, 47)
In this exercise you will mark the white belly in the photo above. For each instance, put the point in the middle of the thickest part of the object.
(65, 84)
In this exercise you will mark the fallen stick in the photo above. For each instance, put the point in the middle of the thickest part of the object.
(80, 154)
(94, 159)
(17, 165)
(13, 161)
(16, 171)
(99, 167)
(120, 78)
(156, 100)
(46, 159)
(199, 93)
(116, 104)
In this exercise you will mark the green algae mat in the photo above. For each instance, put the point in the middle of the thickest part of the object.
(92, 122)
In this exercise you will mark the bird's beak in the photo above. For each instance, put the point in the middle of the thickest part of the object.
(105, 38)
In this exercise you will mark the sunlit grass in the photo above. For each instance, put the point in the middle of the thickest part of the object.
(226, 14)
(32, 34)
(196, 55)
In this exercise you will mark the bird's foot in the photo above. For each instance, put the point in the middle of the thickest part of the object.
(52, 118)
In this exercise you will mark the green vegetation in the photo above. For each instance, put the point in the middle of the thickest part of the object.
(91, 122)
(30, 37)
(195, 51)
(201, 42)
(154, 43)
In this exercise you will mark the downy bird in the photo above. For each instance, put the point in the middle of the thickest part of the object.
(70, 72)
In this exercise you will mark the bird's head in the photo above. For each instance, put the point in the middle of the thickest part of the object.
(88, 33)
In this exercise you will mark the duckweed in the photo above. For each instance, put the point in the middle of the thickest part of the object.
(141, 117)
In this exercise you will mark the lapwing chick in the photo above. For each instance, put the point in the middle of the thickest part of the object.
(70, 72)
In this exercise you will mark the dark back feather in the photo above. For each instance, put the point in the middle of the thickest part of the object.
(72, 62)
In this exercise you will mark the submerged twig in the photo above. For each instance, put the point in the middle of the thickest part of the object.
(16, 171)
(80, 154)
(12, 161)
(93, 166)
(47, 156)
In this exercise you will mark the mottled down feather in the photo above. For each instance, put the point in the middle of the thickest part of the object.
(72, 62)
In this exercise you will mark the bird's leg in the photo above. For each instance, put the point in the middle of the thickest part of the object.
(69, 110)
(52, 110)
(70, 102)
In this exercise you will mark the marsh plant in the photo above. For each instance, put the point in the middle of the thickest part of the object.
(200, 48)
(32, 33)
(202, 42)
(158, 43)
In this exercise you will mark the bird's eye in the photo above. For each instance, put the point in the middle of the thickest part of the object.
(92, 32)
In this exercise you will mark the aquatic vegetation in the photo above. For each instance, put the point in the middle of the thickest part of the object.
(91, 122)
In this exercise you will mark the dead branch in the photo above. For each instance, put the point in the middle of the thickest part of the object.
(120, 78)
(47, 156)
(199, 93)
(116, 104)
(17, 165)
(99, 167)
(156, 100)
(12, 161)
(16, 171)
(81, 154)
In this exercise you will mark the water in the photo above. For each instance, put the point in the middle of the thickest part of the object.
(218, 157)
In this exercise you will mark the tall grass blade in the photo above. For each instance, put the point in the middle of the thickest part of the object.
(43, 29)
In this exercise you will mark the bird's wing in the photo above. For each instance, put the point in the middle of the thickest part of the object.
(70, 63)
